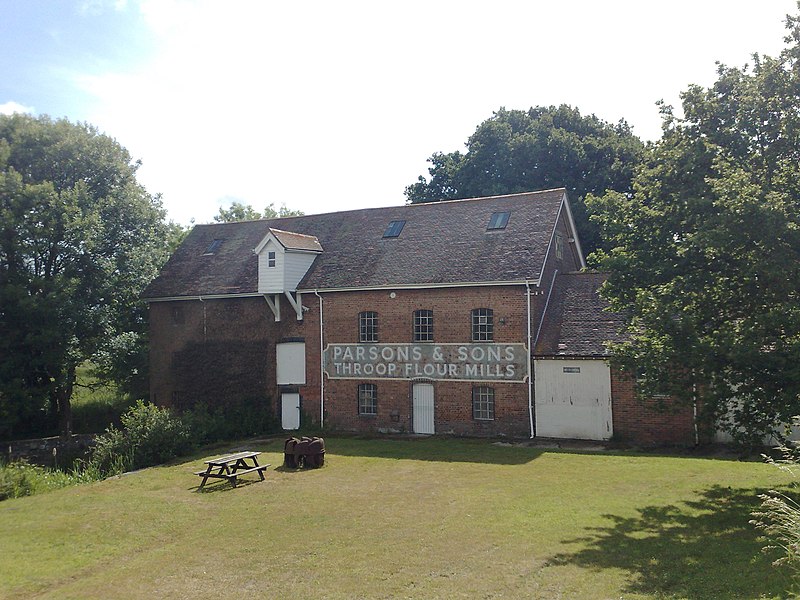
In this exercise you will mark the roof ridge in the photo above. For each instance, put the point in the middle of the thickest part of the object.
(392, 207)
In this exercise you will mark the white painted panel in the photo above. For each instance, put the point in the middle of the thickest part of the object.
(724, 437)
(423, 408)
(291, 363)
(290, 411)
(296, 265)
(270, 279)
(573, 399)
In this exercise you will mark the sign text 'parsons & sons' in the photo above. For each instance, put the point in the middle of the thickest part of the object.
(454, 362)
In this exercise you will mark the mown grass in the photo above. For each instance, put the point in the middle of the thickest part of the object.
(429, 518)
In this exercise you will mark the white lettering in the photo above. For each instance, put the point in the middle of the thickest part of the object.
(337, 352)
(494, 353)
(416, 353)
(373, 353)
(510, 371)
(462, 353)
(429, 370)
(509, 353)
(387, 353)
(478, 353)
(368, 369)
(452, 370)
(360, 350)
(348, 353)
(402, 353)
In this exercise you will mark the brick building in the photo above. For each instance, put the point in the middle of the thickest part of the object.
(417, 318)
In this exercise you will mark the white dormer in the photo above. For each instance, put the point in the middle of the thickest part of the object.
(283, 260)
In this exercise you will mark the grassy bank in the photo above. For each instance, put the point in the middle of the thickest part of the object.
(424, 518)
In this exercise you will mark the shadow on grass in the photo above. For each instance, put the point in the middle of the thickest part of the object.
(223, 486)
(435, 449)
(701, 549)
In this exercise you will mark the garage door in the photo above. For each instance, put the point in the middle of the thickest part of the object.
(573, 399)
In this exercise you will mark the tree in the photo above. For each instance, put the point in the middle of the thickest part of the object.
(242, 212)
(79, 240)
(541, 148)
(705, 256)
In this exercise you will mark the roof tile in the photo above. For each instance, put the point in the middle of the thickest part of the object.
(441, 243)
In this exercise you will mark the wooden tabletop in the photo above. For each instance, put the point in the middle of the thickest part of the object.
(229, 458)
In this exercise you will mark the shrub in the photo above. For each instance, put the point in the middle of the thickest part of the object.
(150, 435)
(22, 479)
(779, 517)
(237, 419)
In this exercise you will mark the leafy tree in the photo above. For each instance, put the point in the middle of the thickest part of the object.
(541, 148)
(705, 255)
(246, 212)
(79, 240)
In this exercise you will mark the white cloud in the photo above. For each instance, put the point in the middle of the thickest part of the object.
(326, 106)
(11, 107)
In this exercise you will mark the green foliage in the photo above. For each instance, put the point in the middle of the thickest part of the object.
(246, 212)
(22, 479)
(237, 419)
(704, 257)
(79, 240)
(541, 148)
(779, 516)
(150, 435)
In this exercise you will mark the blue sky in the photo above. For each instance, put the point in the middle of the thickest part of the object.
(335, 105)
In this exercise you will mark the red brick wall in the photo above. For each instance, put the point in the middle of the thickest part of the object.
(225, 349)
(451, 324)
(648, 422)
(221, 350)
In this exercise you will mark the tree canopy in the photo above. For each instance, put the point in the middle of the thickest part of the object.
(79, 240)
(705, 255)
(541, 148)
(246, 212)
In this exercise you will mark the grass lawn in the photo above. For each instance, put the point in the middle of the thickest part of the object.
(417, 518)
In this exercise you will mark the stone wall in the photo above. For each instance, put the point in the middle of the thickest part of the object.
(40, 451)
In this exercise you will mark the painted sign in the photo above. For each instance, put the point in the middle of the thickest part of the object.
(444, 362)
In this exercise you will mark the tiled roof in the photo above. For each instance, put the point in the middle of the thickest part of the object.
(576, 322)
(296, 241)
(441, 243)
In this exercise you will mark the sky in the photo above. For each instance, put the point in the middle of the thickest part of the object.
(330, 105)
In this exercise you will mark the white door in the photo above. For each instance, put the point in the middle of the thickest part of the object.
(290, 411)
(422, 394)
(573, 399)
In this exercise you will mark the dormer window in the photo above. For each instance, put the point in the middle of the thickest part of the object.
(499, 220)
(270, 259)
(394, 229)
(213, 247)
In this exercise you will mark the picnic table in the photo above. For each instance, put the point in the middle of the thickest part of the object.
(232, 466)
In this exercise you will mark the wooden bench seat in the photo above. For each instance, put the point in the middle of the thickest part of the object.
(232, 476)
(250, 470)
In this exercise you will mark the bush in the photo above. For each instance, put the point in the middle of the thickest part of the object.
(779, 517)
(150, 435)
(22, 479)
(243, 418)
